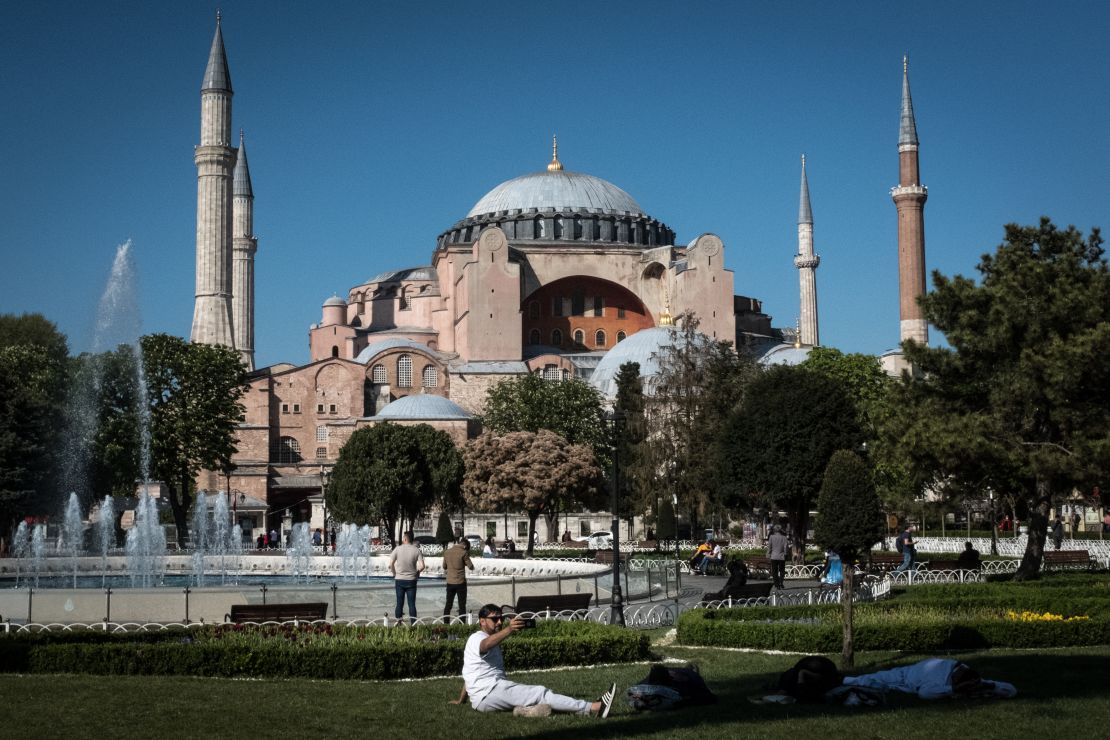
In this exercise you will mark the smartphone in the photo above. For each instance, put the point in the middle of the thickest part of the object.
(529, 622)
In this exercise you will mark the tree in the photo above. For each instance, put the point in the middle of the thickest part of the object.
(33, 379)
(698, 385)
(776, 446)
(1020, 398)
(392, 473)
(445, 533)
(195, 409)
(539, 473)
(849, 522)
(636, 479)
(571, 408)
(666, 529)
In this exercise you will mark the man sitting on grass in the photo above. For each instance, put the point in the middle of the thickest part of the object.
(490, 691)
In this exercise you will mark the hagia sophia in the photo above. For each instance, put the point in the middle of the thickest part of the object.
(555, 272)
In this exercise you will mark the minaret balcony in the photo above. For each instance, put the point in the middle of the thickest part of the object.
(909, 191)
(803, 262)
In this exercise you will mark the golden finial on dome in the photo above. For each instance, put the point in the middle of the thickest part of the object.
(555, 165)
(797, 333)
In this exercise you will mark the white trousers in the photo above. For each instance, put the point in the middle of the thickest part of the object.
(509, 694)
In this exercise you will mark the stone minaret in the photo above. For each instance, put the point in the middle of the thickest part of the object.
(909, 199)
(214, 159)
(806, 262)
(244, 244)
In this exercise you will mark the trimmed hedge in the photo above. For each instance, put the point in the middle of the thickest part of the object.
(344, 655)
(923, 618)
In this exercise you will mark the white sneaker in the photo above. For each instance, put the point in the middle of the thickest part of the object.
(536, 710)
(607, 701)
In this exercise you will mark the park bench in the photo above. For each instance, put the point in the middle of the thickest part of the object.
(739, 593)
(1068, 558)
(884, 562)
(578, 603)
(606, 557)
(308, 612)
(575, 544)
(758, 564)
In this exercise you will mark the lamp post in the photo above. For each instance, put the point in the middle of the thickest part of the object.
(324, 496)
(616, 612)
(994, 526)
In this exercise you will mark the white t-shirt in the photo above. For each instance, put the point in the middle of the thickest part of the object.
(481, 672)
(929, 679)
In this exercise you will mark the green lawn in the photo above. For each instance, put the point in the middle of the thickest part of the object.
(1061, 691)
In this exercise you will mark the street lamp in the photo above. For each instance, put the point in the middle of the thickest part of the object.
(616, 612)
(324, 496)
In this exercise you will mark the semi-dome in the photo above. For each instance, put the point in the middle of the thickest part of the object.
(643, 347)
(423, 406)
(561, 190)
(335, 301)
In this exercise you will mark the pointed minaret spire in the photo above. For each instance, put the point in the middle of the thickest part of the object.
(244, 244)
(216, 74)
(909, 200)
(907, 131)
(241, 179)
(555, 165)
(806, 262)
(805, 213)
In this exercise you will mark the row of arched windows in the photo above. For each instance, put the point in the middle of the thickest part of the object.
(534, 337)
(429, 378)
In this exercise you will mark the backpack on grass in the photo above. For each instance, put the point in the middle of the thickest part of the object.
(670, 688)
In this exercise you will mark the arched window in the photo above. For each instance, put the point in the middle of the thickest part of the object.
(534, 336)
(577, 302)
(404, 371)
(558, 227)
(599, 338)
(377, 374)
(322, 433)
(533, 309)
(431, 377)
(551, 372)
(285, 450)
(577, 227)
(579, 337)
(403, 300)
(621, 336)
(538, 230)
(334, 351)
(556, 338)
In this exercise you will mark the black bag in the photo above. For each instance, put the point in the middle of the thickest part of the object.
(900, 543)
(684, 682)
(810, 678)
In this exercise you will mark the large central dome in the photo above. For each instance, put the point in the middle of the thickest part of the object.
(560, 190)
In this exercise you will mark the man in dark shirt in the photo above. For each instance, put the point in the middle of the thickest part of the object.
(906, 546)
(456, 559)
(969, 558)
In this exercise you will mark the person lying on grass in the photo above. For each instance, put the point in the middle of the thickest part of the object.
(815, 678)
(490, 691)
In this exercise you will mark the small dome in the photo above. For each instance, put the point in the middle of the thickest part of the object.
(423, 406)
(643, 347)
(335, 301)
(556, 189)
(784, 354)
(411, 273)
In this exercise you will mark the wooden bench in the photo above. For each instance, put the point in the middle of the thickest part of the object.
(307, 612)
(758, 564)
(951, 565)
(579, 603)
(884, 562)
(739, 593)
(606, 557)
(1068, 558)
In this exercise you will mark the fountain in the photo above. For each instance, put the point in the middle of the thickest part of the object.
(146, 544)
(235, 549)
(221, 532)
(106, 533)
(73, 533)
(21, 547)
(200, 536)
(38, 550)
(299, 552)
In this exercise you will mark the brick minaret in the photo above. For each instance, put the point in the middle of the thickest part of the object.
(214, 159)
(244, 244)
(806, 262)
(909, 199)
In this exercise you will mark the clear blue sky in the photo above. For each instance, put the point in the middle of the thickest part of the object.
(372, 127)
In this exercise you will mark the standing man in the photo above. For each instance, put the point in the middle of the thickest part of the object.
(490, 691)
(455, 561)
(778, 546)
(907, 547)
(1058, 532)
(405, 563)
